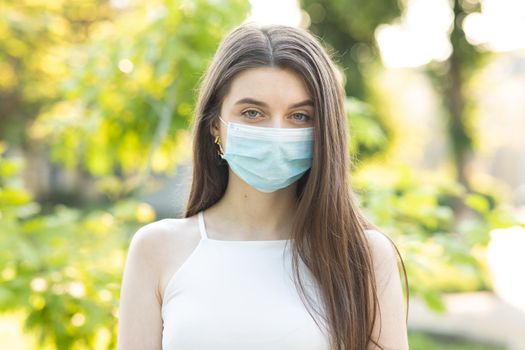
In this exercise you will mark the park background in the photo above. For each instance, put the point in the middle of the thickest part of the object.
(96, 103)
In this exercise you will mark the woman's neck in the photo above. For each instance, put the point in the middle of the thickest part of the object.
(251, 214)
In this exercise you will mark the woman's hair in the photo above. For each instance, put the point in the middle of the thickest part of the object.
(329, 229)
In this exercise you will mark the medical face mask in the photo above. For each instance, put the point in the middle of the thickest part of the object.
(268, 159)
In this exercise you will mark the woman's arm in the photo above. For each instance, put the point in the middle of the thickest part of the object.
(390, 329)
(140, 323)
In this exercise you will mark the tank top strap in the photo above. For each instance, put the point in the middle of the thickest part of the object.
(202, 227)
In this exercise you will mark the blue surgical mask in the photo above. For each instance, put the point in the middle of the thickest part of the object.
(268, 159)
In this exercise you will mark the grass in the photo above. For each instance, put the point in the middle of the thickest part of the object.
(427, 341)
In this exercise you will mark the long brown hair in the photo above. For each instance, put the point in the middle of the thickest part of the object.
(329, 229)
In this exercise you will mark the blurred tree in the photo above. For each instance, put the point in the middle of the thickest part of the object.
(34, 38)
(130, 91)
(347, 30)
(450, 79)
(349, 27)
(414, 208)
(62, 270)
(367, 135)
(111, 84)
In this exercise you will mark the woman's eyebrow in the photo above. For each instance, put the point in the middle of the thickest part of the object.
(248, 100)
(307, 102)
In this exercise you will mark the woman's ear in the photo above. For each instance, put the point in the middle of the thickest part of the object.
(214, 129)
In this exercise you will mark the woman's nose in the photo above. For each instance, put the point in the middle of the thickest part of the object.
(277, 122)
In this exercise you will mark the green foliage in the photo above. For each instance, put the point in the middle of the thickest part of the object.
(368, 137)
(131, 89)
(348, 28)
(126, 82)
(415, 208)
(451, 79)
(423, 341)
(63, 269)
(34, 38)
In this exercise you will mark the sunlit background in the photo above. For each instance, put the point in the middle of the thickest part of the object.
(96, 103)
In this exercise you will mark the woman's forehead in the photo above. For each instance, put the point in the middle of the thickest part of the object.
(270, 85)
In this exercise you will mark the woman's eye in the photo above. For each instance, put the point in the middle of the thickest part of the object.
(251, 113)
(301, 117)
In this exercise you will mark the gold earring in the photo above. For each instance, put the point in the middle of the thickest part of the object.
(218, 142)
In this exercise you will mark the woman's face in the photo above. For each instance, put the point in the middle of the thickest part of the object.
(267, 97)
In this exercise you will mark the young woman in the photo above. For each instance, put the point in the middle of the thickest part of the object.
(272, 252)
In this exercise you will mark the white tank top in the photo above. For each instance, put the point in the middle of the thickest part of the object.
(233, 295)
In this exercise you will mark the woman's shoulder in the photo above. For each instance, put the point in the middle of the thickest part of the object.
(155, 235)
(163, 244)
(160, 240)
(381, 247)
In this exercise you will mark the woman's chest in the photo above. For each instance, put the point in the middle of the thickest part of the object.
(239, 302)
